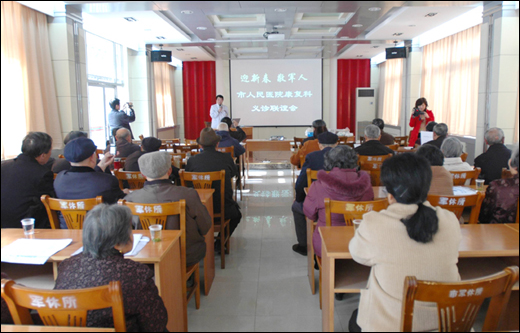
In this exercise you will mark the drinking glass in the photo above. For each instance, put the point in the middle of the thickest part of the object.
(480, 184)
(356, 223)
(156, 232)
(28, 226)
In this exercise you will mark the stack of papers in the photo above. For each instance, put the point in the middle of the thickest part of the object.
(33, 251)
(139, 243)
(462, 190)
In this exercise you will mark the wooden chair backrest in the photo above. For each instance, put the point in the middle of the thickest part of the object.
(157, 213)
(204, 180)
(302, 160)
(457, 203)
(517, 209)
(100, 152)
(352, 210)
(141, 137)
(63, 307)
(312, 175)
(228, 150)
(61, 156)
(190, 142)
(182, 156)
(362, 139)
(402, 141)
(458, 303)
(506, 173)
(169, 143)
(460, 177)
(185, 149)
(134, 178)
(298, 142)
(54, 176)
(362, 159)
(372, 165)
(137, 142)
(346, 139)
(393, 147)
(73, 211)
(464, 157)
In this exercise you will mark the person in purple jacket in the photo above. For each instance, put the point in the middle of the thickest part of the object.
(344, 182)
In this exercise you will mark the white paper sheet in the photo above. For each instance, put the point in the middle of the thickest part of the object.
(139, 243)
(462, 190)
(33, 251)
(426, 137)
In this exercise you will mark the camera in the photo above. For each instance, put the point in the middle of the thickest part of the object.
(417, 112)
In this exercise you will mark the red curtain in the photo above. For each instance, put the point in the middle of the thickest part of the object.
(352, 74)
(199, 86)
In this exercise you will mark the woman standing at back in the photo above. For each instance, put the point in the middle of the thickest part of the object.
(409, 238)
(421, 116)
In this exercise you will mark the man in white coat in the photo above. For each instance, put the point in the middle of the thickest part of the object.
(218, 111)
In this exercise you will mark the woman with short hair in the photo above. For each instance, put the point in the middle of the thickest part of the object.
(409, 238)
(310, 144)
(500, 203)
(343, 182)
(442, 180)
(107, 236)
(452, 150)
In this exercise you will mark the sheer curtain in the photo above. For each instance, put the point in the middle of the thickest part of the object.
(390, 89)
(450, 80)
(164, 94)
(29, 100)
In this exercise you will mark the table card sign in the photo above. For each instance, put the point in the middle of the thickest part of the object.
(33, 251)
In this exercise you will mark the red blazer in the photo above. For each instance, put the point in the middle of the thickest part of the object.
(416, 124)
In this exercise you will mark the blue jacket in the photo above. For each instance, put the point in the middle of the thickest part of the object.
(228, 141)
(313, 161)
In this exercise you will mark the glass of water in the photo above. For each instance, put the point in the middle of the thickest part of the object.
(156, 232)
(28, 226)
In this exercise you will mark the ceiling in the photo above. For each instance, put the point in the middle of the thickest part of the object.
(208, 30)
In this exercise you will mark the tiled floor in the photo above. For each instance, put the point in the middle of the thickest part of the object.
(264, 286)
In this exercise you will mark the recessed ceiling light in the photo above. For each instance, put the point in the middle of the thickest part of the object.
(359, 56)
(430, 15)
(193, 58)
(211, 39)
(180, 49)
(130, 19)
(357, 25)
(327, 51)
(337, 44)
(187, 12)
(344, 37)
(412, 25)
(201, 28)
(397, 34)
(280, 10)
(375, 47)
(218, 46)
(374, 9)
(279, 26)
(160, 37)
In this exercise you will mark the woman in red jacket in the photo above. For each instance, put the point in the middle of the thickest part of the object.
(420, 118)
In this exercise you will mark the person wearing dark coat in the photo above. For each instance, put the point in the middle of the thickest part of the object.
(24, 180)
(85, 179)
(119, 118)
(124, 145)
(239, 134)
(313, 161)
(107, 236)
(386, 139)
(495, 158)
(372, 145)
(227, 141)
(440, 132)
(156, 167)
(211, 160)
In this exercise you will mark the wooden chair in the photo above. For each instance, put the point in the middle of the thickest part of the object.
(464, 157)
(73, 211)
(346, 140)
(351, 210)
(191, 142)
(204, 180)
(185, 149)
(54, 176)
(362, 139)
(460, 177)
(141, 137)
(231, 152)
(458, 303)
(135, 179)
(63, 307)
(169, 143)
(181, 156)
(393, 147)
(298, 143)
(402, 141)
(517, 209)
(61, 156)
(372, 164)
(157, 213)
(100, 152)
(506, 173)
(457, 203)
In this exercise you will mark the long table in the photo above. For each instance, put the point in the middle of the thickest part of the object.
(266, 145)
(165, 256)
(485, 249)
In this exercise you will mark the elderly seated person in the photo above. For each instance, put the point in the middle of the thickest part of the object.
(500, 203)
(440, 131)
(409, 238)
(124, 145)
(310, 144)
(239, 133)
(495, 158)
(157, 167)
(372, 145)
(107, 236)
(452, 150)
(343, 182)
(24, 180)
(442, 180)
(386, 139)
(227, 141)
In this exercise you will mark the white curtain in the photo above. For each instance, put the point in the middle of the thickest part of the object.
(164, 94)
(450, 75)
(390, 91)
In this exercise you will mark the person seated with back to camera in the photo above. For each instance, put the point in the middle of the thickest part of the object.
(310, 144)
(442, 180)
(495, 158)
(313, 161)
(386, 139)
(228, 141)
(124, 145)
(500, 203)
(440, 131)
(372, 145)
(344, 182)
(107, 236)
(409, 238)
(452, 150)
(158, 188)
(239, 134)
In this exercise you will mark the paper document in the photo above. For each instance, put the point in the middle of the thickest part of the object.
(139, 243)
(33, 251)
(426, 137)
(462, 190)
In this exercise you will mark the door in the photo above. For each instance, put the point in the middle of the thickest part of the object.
(98, 110)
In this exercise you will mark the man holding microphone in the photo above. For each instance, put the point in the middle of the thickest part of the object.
(218, 111)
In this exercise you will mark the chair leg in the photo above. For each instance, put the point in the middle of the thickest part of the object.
(320, 287)
(228, 243)
(197, 288)
(222, 247)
